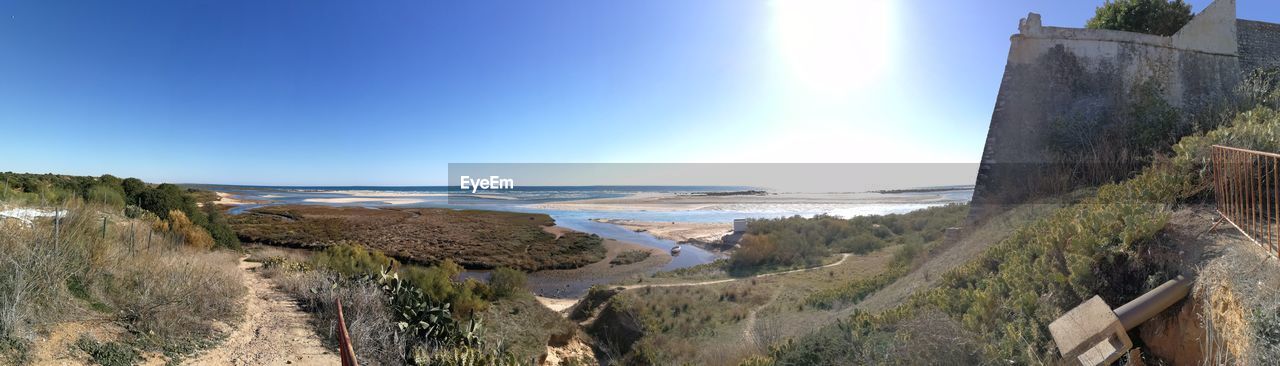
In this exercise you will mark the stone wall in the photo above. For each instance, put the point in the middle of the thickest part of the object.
(1259, 44)
(1072, 80)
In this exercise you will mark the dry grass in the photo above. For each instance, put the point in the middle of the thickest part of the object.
(525, 327)
(167, 295)
(1240, 296)
(676, 321)
(369, 322)
(174, 296)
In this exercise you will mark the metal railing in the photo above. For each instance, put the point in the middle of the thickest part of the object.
(345, 352)
(1247, 191)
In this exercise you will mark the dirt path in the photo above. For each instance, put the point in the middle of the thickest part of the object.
(274, 331)
(843, 257)
(749, 326)
(560, 305)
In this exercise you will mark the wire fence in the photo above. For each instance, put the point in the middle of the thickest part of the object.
(137, 234)
(1247, 193)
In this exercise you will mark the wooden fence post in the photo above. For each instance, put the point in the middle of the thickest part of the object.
(56, 212)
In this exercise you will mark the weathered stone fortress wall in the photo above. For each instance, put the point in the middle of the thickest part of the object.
(1259, 44)
(1056, 76)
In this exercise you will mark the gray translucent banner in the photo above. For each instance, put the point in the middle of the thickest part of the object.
(707, 186)
(851, 177)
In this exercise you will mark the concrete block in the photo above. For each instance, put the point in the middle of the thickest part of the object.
(1090, 334)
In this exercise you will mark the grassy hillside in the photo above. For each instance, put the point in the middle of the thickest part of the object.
(472, 238)
(723, 323)
(111, 284)
(1006, 299)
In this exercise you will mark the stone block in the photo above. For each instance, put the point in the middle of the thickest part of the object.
(1090, 334)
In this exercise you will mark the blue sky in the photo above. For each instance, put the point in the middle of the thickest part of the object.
(389, 92)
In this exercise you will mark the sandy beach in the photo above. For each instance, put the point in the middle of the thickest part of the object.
(225, 198)
(679, 232)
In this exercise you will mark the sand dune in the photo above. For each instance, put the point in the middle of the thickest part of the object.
(677, 231)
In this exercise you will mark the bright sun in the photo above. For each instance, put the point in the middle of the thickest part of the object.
(832, 47)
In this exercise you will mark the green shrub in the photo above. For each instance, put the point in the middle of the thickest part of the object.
(1158, 17)
(105, 195)
(630, 257)
(352, 259)
(853, 291)
(862, 243)
(166, 198)
(435, 282)
(1261, 88)
(218, 227)
(108, 353)
(466, 356)
(135, 212)
(507, 282)
(799, 241)
(285, 264)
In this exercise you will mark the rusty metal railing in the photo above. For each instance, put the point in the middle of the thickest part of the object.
(345, 352)
(1247, 191)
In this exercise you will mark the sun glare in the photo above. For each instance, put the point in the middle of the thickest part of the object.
(832, 47)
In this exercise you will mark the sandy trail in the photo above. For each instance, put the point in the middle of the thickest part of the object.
(560, 305)
(274, 332)
(843, 257)
(749, 326)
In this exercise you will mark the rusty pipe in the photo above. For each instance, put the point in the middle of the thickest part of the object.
(1153, 302)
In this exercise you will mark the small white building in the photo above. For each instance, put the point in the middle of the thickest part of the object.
(739, 226)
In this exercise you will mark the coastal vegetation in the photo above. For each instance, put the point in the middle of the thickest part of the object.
(1104, 245)
(473, 239)
(507, 282)
(409, 314)
(202, 223)
(141, 288)
(657, 326)
(629, 257)
(793, 242)
(670, 323)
